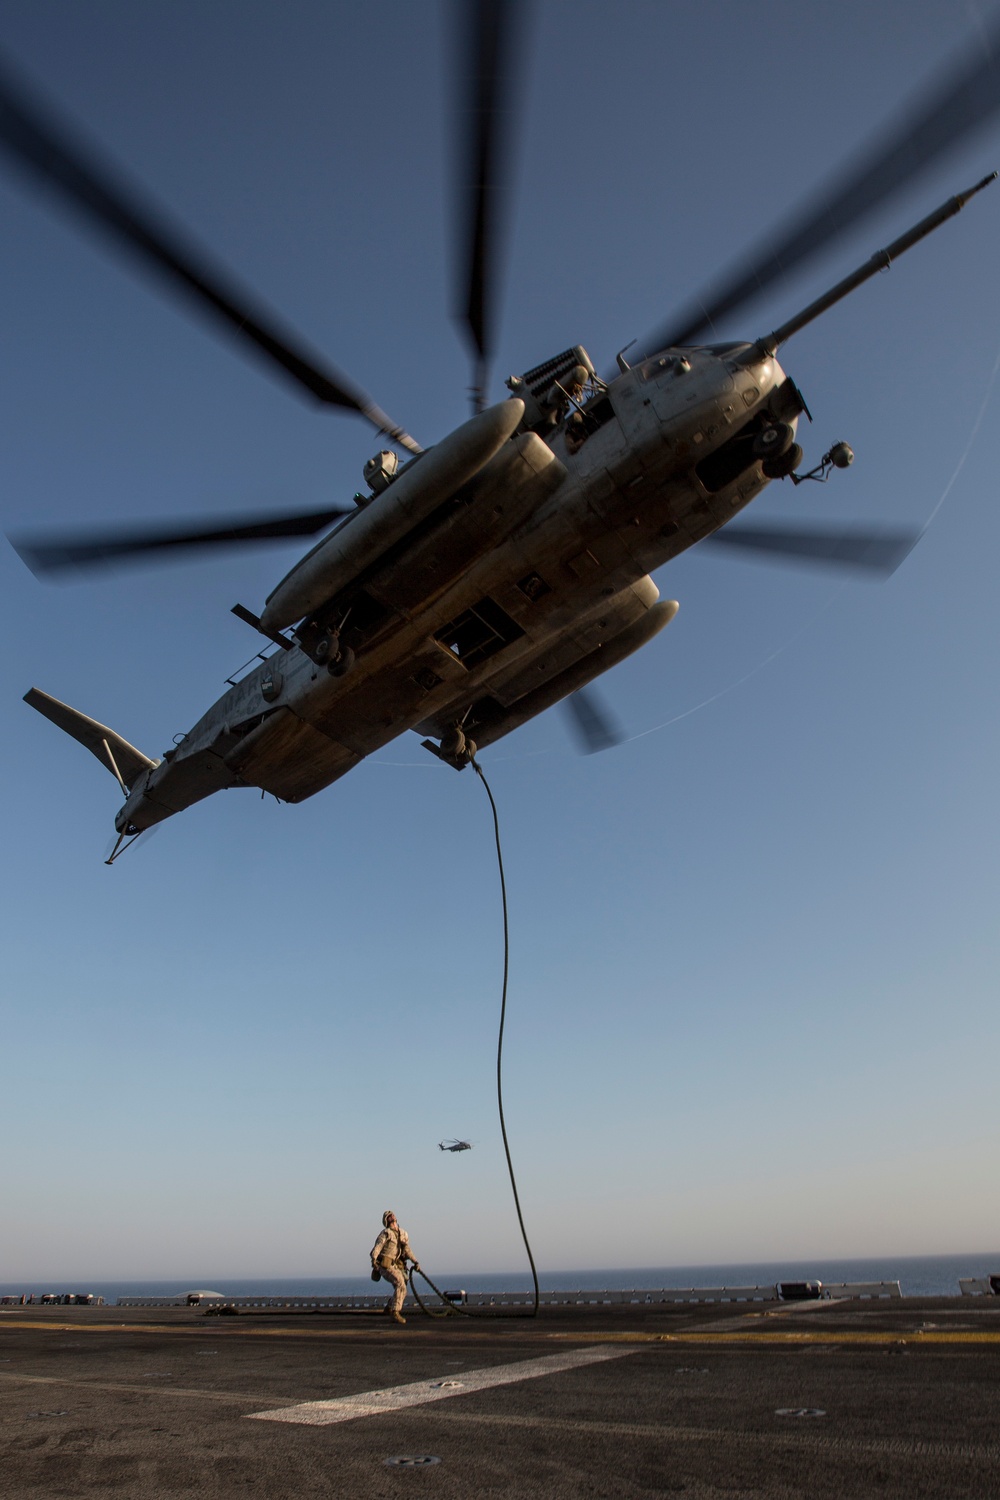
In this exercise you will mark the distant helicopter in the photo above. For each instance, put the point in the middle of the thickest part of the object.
(499, 572)
(454, 1145)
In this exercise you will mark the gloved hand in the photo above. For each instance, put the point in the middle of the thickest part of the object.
(416, 1265)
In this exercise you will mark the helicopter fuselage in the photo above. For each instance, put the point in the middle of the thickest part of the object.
(524, 583)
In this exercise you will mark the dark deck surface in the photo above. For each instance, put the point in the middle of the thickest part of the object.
(843, 1399)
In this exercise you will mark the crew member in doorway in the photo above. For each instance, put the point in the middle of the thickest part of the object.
(574, 433)
(390, 1253)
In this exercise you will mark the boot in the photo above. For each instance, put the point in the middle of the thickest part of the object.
(398, 1318)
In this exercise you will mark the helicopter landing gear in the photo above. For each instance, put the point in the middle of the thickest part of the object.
(774, 442)
(341, 662)
(327, 651)
(782, 467)
(325, 645)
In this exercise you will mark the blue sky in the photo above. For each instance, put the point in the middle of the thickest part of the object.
(753, 1004)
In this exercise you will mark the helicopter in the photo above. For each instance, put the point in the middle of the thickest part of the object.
(454, 1145)
(504, 569)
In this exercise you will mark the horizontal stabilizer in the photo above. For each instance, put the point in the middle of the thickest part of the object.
(123, 760)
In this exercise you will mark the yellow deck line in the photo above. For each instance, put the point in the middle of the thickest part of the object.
(757, 1337)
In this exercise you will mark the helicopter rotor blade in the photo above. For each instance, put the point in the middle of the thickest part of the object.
(957, 103)
(95, 189)
(592, 722)
(45, 556)
(488, 87)
(858, 549)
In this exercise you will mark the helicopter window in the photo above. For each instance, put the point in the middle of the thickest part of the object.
(479, 633)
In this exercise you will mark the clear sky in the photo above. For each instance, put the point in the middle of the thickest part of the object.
(754, 1001)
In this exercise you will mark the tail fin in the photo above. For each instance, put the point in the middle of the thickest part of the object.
(123, 760)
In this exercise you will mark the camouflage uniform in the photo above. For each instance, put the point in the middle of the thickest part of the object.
(390, 1253)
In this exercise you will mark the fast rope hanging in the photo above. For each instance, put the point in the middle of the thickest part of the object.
(448, 1306)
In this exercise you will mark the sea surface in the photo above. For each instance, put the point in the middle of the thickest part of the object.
(918, 1276)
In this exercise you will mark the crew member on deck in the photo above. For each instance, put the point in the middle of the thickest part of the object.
(390, 1253)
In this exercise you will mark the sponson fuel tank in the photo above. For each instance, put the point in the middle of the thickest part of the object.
(491, 727)
(420, 489)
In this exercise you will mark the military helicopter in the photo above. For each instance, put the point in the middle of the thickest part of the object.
(454, 1145)
(502, 570)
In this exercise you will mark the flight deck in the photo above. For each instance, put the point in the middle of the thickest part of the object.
(840, 1397)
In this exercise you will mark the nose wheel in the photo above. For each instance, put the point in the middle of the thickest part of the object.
(773, 442)
(783, 466)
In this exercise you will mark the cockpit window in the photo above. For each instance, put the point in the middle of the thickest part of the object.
(662, 365)
(680, 360)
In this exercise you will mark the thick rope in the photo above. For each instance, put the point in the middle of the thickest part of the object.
(503, 1017)
(448, 1305)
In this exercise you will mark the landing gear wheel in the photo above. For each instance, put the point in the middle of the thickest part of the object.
(772, 442)
(341, 663)
(325, 647)
(780, 468)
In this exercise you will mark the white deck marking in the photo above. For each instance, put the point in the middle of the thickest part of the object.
(394, 1398)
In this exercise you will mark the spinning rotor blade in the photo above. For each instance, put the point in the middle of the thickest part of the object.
(865, 550)
(488, 46)
(955, 106)
(94, 189)
(592, 723)
(44, 556)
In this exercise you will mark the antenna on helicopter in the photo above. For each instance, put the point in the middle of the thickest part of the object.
(880, 261)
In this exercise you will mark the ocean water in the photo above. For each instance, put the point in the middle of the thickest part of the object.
(918, 1276)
